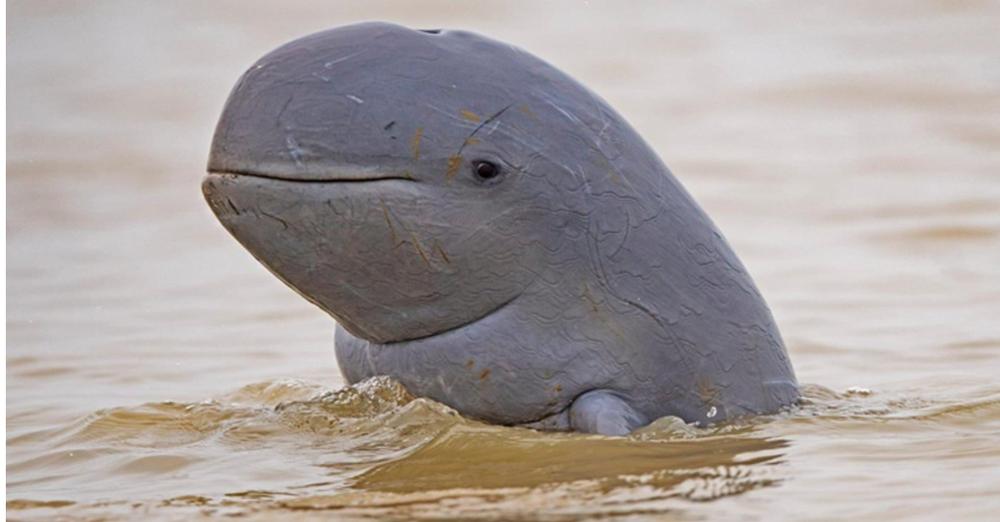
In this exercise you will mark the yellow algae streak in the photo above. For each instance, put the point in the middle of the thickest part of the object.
(415, 142)
(453, 163)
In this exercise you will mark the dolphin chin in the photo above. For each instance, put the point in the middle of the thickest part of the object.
(490, 233)
(471, 324)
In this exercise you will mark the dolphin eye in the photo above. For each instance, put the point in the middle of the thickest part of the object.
(485, 170)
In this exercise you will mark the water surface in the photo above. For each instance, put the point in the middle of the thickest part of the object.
(851, 153)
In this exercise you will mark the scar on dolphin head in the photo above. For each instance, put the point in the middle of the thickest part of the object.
(590, 299)
(441, 252)
(388, 223)
(485, 122)
(233, 206)
(419, 249)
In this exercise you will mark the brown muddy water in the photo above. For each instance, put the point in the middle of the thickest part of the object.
(850, 151)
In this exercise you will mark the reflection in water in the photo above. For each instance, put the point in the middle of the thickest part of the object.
(374, 450)
(377, 447)
(492, 458)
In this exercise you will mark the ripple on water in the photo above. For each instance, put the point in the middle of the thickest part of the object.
(373, 448)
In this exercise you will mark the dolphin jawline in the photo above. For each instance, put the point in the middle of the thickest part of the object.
(368, 179)
(455, 328)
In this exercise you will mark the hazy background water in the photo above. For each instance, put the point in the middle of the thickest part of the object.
(849, 150)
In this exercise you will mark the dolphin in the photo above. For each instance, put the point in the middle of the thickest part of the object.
(490, 233)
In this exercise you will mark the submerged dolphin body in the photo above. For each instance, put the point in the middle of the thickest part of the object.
(490, 233)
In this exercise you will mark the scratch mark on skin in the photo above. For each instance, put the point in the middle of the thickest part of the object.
(354, 99)
(415, 142)
(609, 322)
(600, 135)
(389, 125)
(294, 150)
(485, 374)
(471, 116)
(569, 116)
(486, 226)
(419, 249)
(333, 208)
(441, 252)
(284, 107)
(628, 226)
(485, 122)
(388, 222)
(331, 63)
(446, 112)
(586, 182)
(590, 299)
(284, 223)
(232, 206)
(454, 163)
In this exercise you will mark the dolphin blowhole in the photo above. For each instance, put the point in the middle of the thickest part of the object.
(490, 233)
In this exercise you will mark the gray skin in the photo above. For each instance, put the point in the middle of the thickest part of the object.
(581, 288)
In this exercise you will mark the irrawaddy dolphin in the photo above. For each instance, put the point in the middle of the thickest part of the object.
(490, 233)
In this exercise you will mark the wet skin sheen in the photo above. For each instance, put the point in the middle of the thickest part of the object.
(490, 233)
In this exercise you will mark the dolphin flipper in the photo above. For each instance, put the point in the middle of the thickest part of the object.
(605, 413)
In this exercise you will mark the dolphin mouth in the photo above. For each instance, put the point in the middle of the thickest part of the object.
(331, 177)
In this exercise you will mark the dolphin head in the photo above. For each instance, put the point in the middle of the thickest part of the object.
(413, 184)
(407, 182)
